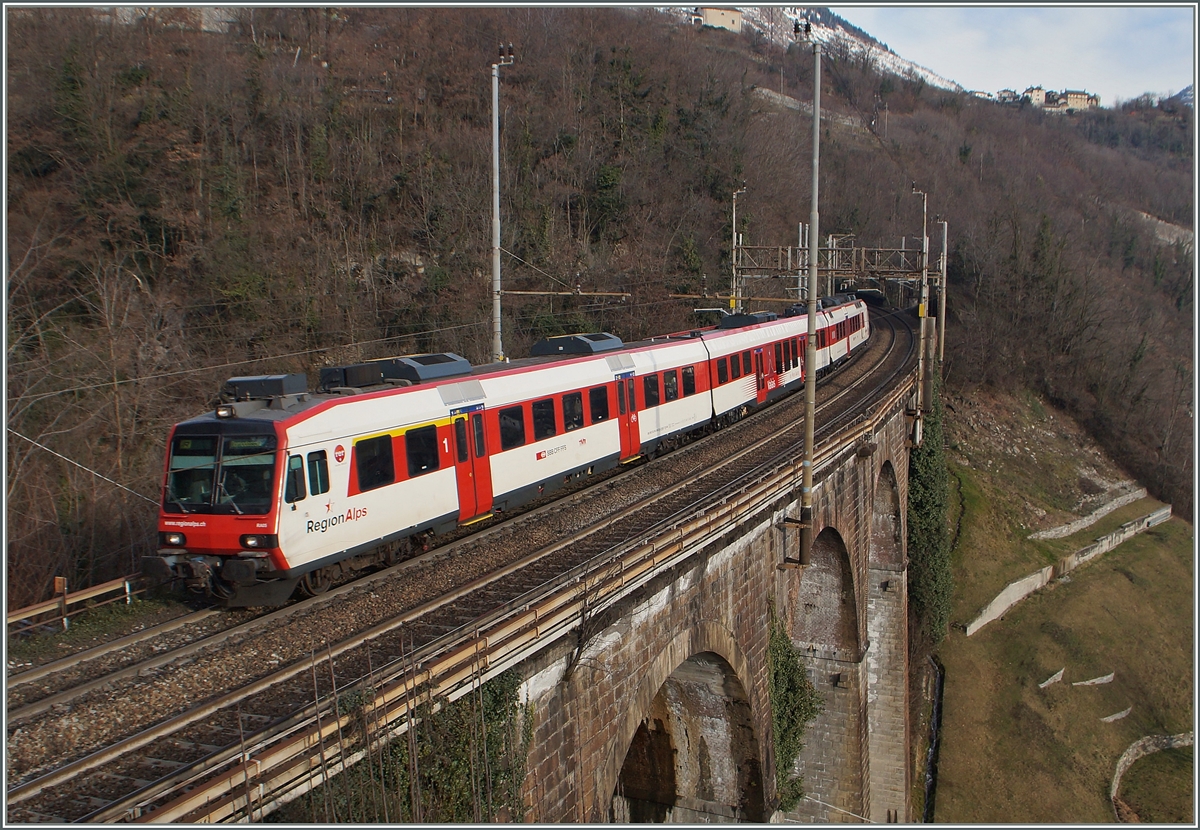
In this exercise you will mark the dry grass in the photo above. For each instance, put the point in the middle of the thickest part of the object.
(1012, 752)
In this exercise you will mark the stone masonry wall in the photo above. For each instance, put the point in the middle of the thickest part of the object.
(587, 704)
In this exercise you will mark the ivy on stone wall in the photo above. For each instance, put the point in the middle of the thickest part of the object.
(794, 702)
(929, 578)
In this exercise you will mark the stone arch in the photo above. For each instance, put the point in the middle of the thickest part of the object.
(887, 542)
(687, 750)
(826, 611)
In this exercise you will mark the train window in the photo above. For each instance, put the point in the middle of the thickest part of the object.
(293, 488)
(670, 385)
(318, 472)
(650, 391)
(544, 424)
(460, 440)
(572, 411)
(477, 425)
(512, 428)
(421, 445)
(375, 464)
(689, 380)
(598, 400)
(722, 371)
(620, 397)
(192, 467)
(746, 363)
(778, 357)
(735, 367)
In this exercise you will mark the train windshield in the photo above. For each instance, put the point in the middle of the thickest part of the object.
(221, 474)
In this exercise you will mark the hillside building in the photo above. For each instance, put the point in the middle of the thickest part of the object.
(1072, 100)
(718, 18)
(1036, 96)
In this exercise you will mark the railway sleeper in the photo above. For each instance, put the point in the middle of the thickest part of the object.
(127, 782)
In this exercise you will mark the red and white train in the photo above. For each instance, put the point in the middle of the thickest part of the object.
(281, 488)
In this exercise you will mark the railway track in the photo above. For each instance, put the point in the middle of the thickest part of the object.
(390, 640)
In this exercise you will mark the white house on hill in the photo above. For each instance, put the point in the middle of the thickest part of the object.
(720, 18)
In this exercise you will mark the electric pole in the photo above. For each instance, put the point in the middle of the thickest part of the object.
(497, 343)
(735, 295)
(810, 349)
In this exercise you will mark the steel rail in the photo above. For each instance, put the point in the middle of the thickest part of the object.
(35, 708)
(452, 666)
(99, 651)
(550, 611)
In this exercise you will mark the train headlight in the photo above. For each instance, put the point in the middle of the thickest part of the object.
(257, 541)
(174, 540)
(226, 410)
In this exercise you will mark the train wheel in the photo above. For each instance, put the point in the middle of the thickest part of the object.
(315, 583)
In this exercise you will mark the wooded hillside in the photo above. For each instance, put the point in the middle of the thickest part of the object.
(313, 187)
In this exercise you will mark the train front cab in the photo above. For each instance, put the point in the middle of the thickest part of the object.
(217, 526)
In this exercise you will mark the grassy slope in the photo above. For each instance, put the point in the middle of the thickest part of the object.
(1012, 752)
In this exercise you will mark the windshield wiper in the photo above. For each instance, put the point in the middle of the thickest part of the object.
(180, 503)
(228, 496)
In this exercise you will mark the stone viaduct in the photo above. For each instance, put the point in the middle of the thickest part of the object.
(662, 712)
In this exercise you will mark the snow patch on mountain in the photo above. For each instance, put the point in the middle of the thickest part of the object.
(834, 33)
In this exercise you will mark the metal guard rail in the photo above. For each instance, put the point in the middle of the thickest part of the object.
(283, 762)
(124, 585)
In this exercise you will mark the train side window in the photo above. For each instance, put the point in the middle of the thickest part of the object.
(460, 440)
(376, 467)
(293, 489)
(477, 424)
(670, 385)
(620, 397)
(421, 446)
(512, 428)
(544, 424)
(598, 400)
(778, 357)
(746, 363)
(318, 472)
(722, 371)
(572, 411)
(689, 380)
(735, 367)
(650, 390)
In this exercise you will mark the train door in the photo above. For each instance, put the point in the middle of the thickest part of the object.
(471, 466)
(631, 441)
(760, 376)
